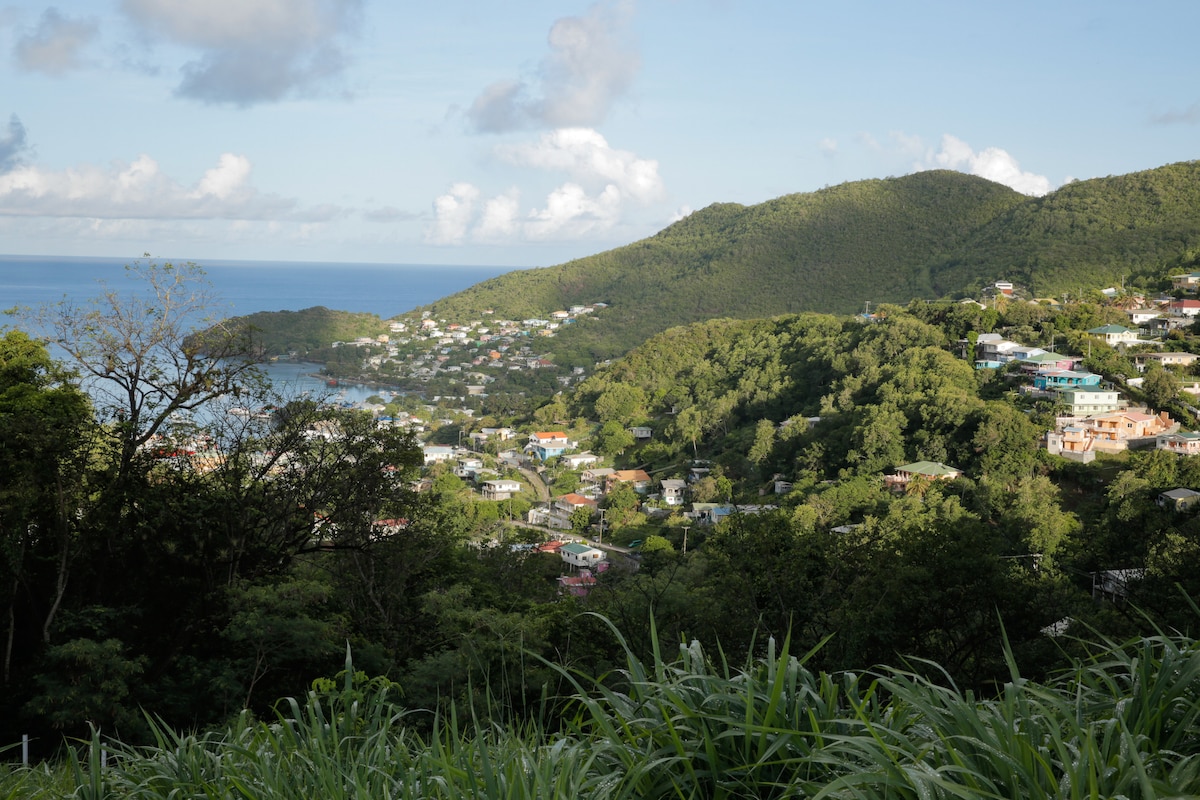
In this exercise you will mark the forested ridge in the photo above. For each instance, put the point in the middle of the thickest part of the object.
(927, 235)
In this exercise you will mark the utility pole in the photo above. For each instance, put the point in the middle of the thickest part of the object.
(600, 540)
(685, 530)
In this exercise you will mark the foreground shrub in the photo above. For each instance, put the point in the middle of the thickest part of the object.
(1124, 723)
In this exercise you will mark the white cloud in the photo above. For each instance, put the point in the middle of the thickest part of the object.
(140, 190)
(991, 163)
(600, 183)
(225, 179)
(54, 47)
(683, 212)
(499, 219)
(253, 51)
(571, 213)
(828, 147)
(452, 214)
(591, 64)
(585, 155)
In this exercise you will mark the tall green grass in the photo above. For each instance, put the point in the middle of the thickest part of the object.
(1124, 723)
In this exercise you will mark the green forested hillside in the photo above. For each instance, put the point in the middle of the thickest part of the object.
(831, 250)
(926, 235)
(1090, 233)
(300, 332)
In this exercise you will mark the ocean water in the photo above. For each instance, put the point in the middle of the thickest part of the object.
(245, 287)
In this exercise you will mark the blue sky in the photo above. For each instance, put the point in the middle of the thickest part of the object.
(530, 132)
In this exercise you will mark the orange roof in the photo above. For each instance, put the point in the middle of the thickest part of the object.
(577, 500)
(550, 435)
(630, 475)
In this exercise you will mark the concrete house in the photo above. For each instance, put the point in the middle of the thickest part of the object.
(1143, 360)
(1114, 335)
(1085, 402)
(1117, 430)
(581, 555)
(1184, 443)
(548, 444)
(1179, 499)
(577, 460)
(637, 477)
(1184, 308)
(1064, 379)
(1074, 442)
(673, 491)
(500, 489)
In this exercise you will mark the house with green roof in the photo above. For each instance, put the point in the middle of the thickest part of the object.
(578, 554)
(929, 470)
(1184, 443)
(1092, 400)
(1114, 335)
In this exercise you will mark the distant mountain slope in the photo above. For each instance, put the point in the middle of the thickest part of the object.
(1085, 234)
(927, 235)
(311, 329)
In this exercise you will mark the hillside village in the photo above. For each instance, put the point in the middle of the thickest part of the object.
(557, 482)
(467, 355)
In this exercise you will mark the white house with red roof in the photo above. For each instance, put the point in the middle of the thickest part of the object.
(1183, 308)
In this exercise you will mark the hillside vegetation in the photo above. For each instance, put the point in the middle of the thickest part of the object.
(927, 235)
(302, 332)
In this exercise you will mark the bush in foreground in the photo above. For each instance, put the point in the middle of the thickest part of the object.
(1122, 723)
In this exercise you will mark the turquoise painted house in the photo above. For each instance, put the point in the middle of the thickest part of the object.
(1065, 379)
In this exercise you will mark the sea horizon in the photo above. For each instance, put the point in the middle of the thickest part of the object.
(250, 286)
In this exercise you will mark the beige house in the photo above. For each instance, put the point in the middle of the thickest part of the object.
(1074, 442)
(1116, 431)
(1142, 360)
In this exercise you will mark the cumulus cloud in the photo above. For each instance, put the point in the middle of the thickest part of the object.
(591, 64)
(499, 219)
(452, 214)
(600, 182)
(991, 163)
(253, 51)
(828, 147)
(586, 156)
(13, 146)
(140, 190)
(55, 46)
(571, 213)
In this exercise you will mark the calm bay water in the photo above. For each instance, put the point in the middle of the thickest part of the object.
(245, 287)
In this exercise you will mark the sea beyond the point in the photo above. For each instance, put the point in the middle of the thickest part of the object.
(246, 287)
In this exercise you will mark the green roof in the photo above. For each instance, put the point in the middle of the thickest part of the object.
(1111, 329)
(931, 468)
(576, 548)
(1045, 358)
